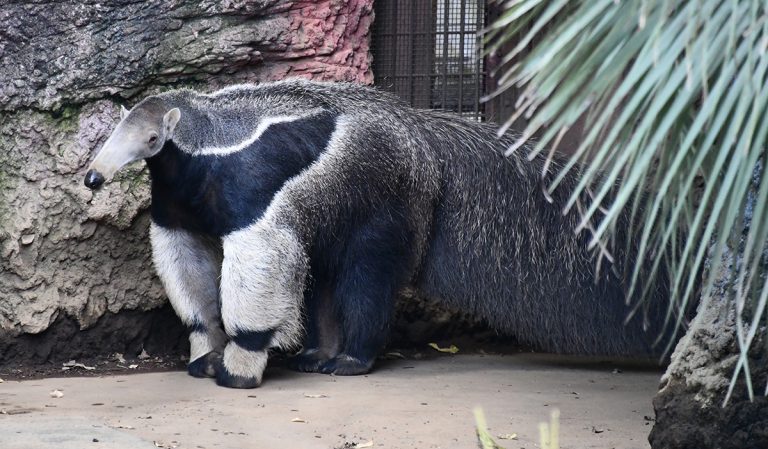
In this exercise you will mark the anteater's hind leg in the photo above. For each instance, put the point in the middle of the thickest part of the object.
(323, 335)
(373, 269)
(189, 267)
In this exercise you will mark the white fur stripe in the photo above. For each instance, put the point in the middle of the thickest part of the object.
(199, 345)
(233, 88)
(262, 282)
(260, 130)
(189, 269)
(244, 363)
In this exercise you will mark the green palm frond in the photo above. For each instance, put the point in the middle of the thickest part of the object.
(674, 98)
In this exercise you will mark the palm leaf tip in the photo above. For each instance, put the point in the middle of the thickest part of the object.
(674, 100)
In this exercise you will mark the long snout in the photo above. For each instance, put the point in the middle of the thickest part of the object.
(117, 152)
(101, 170)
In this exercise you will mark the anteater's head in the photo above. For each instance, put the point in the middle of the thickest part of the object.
(141, 134)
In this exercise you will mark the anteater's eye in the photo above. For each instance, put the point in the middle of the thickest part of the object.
(152, 138)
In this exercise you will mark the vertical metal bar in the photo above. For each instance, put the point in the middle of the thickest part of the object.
(395, 26)
(446, 17)
(479, 51)
(463, 17)
(433, 75)
(414, 53)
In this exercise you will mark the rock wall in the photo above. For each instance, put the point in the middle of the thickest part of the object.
(689, 406)
(690, 409)
(72, 260)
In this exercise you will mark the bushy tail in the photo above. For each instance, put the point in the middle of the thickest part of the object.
(500, 250)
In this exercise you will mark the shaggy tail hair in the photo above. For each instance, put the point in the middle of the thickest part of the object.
(501, 251)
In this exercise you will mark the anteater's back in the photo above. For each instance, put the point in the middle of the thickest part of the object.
(492, 246)
(501, 251)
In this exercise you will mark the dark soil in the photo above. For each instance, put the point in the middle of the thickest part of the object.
(96, 367)
(111, 345)
(682, 423)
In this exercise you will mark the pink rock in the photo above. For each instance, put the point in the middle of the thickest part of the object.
(329, 41)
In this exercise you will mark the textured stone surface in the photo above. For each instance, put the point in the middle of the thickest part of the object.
(68, 255)
(689, 411)
(689, 406)
(59, 53)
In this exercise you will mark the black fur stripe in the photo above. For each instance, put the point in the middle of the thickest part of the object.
(197, 326)
(216, 195)
(253, 340)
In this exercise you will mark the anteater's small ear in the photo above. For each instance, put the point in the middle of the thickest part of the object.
(123, 112)
(170, 120)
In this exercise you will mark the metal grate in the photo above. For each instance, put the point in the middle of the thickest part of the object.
(428, 53)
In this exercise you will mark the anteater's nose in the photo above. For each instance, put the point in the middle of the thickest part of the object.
(93, 179)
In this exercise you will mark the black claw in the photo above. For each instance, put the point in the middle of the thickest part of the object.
(344, 365)
(307, 361)
(204, 366)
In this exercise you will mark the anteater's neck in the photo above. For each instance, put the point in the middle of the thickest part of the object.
(179, 182)
(219, 194)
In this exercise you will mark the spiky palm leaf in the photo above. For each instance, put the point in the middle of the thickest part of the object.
(675, 97)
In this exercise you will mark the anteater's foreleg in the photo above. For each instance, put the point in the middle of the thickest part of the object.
(262, 283)
(189, 267)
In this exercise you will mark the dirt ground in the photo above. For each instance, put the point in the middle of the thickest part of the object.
(404, 403)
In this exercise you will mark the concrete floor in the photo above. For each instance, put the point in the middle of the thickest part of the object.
(402, 404)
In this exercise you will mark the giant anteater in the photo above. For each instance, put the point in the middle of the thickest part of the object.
(300, 209)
